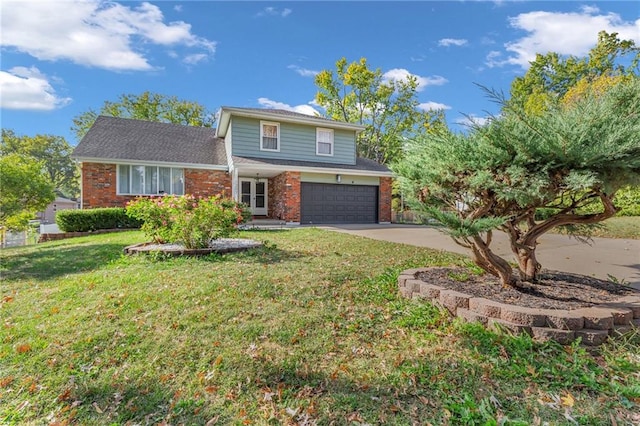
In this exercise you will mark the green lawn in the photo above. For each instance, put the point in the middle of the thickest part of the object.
(615, 227)
(308, 330)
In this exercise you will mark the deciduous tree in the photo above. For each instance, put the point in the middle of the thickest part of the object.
(25, 190)
(147, 106)
(53, 152)
(388, 109)
(551, 76)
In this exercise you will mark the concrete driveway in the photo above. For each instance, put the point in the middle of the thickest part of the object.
(603, 257)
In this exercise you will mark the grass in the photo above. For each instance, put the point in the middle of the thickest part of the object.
(615, 227)
(307, 330)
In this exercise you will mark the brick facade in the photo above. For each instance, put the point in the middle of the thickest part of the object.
(284, 197)
(205, 183)
(384, 200)
(99, 185)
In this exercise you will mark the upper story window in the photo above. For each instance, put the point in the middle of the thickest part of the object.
(324, 141)
(150, 180)
(269, 136)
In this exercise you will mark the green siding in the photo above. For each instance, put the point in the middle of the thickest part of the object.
(297, 142)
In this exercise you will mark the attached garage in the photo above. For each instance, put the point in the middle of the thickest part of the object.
(324, 203)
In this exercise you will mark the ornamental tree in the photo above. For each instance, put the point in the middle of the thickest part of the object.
(495, 177)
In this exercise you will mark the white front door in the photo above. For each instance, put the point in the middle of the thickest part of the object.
(254, 194)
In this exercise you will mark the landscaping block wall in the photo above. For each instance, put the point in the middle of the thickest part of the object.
(593, 325)
(99, 185)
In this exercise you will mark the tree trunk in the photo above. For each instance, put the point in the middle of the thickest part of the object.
(528, 264)
(492, 263)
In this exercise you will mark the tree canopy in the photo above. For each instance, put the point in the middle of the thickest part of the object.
(387, 108)
(552, 76)
(25, 190)
(52, 152)
(147, 106)
(562, 158)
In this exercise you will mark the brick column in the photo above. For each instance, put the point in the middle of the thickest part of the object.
(285, 195)
(384, 200)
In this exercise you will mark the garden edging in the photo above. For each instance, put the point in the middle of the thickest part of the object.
(592, 324)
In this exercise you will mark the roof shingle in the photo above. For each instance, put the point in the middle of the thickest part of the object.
(115, 138)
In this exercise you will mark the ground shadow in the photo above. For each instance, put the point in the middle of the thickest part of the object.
(51, 262)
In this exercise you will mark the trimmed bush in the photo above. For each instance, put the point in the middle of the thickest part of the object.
(94, 219)
(193, 222)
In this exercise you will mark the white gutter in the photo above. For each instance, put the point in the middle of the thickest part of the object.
(152, 163)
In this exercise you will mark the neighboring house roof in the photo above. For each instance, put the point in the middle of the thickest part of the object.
(224, 118)
(363, 165)
(114, 138)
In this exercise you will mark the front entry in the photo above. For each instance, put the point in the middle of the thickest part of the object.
(254, 194)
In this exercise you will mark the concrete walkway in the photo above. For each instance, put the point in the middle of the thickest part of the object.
(603, 257)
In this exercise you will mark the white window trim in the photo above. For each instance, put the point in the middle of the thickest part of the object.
(318, 130)
(269, 123)
(143, 180)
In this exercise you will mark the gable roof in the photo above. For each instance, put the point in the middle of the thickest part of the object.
(225, 113)
(125, 139)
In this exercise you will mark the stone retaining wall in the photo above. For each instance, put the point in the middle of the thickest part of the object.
(593, 325)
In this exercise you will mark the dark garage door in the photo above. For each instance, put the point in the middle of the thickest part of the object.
(330, 203)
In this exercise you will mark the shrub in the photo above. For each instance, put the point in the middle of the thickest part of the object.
(188, 220)
(94, 219)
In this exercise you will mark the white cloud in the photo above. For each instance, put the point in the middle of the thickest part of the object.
(432, 106)
(274, 11)
(302, 109)
(452, 42)
(400, 74)
(564, 33)
(177, 8)
(303, 71)
(94, 33)
(28, 89)
(195, 58)
(472, 120)
(494, 59)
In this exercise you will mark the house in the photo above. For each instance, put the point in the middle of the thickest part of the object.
(49, 214)
(287, 166)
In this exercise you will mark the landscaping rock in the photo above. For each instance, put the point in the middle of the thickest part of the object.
(544, 334)
(592, 337)
(485, 307)
(470, 316)
(596, 318)
(564, 320)
(453, 300)
(523, 316)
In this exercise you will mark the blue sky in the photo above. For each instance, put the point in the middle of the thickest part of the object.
(61, 58)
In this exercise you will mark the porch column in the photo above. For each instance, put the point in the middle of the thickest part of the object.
(286, 190)
(384, 200)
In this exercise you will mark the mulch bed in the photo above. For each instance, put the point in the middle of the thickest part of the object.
(554, 290)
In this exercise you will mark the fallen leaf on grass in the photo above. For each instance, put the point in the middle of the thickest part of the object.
(568, 400)
(23, 348)
(6, 381)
